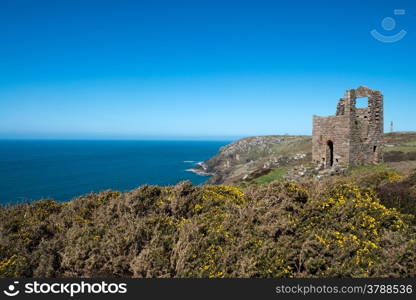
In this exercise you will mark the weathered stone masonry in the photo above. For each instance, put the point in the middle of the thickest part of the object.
(354, 135)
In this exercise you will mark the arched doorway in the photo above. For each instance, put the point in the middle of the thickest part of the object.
(330, 153)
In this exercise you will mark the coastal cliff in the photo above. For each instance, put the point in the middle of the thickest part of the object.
(253, 156)
(261, 159)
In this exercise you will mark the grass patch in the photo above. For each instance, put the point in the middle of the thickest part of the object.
(411, 143)
(273, 175)
(403, 148)
(357, 170)
(291, 147)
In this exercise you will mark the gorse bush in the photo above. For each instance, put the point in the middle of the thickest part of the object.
(400, 195)
(279, 230)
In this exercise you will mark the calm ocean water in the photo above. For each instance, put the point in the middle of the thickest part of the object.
(30, 170)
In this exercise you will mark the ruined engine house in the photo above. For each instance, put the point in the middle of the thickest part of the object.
(354, 135)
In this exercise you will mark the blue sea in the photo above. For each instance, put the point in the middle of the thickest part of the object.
(31, 170)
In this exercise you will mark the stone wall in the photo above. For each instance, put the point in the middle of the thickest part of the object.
(354, 135)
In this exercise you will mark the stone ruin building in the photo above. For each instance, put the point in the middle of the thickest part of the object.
(354, 135)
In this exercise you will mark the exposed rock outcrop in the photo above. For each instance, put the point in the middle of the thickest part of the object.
(254, 156)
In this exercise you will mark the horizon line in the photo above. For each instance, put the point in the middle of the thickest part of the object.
(162, 138)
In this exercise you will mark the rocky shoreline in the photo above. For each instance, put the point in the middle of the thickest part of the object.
(201, 169)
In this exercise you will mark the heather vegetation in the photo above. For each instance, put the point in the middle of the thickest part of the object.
(349, 226)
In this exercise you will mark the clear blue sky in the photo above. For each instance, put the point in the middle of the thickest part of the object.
(203, 69)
